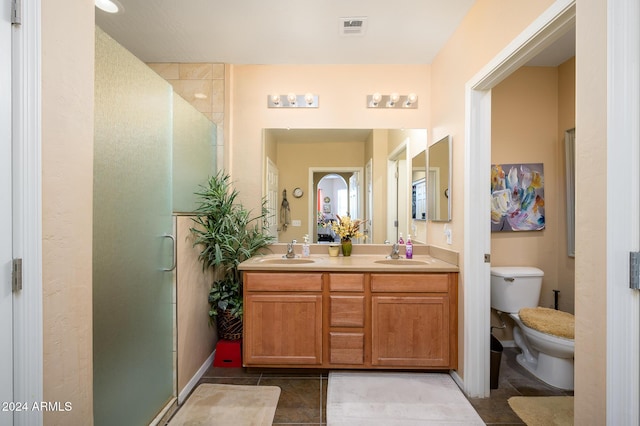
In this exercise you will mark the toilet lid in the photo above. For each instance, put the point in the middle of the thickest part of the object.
(550, 321)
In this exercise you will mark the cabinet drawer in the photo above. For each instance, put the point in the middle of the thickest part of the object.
(346, 348)
(287, 281)
(410, 283)
(346, 282)
(347, 311)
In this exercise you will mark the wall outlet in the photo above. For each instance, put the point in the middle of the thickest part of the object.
(296, 223)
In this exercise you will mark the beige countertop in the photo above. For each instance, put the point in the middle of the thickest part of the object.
(371, 260)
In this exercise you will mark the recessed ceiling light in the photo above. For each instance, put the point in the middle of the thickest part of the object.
(109, 6)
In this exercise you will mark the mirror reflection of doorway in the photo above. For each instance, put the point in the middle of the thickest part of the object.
(332, 194)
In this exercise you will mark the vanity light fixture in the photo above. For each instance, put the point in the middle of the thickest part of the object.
(394, 100)
(291, 100)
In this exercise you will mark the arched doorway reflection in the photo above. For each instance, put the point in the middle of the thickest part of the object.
(332, 200)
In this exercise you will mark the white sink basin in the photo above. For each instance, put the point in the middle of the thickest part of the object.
(402, 262)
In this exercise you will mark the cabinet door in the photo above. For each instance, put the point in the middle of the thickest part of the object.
(410, 331)
(283, 329)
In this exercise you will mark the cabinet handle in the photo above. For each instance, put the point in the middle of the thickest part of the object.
(173, 252)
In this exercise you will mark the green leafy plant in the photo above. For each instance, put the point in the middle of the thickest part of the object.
(228, 234)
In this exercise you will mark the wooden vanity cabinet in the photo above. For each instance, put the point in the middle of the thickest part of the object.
(350, 320)
(282, 319)
(347, 320)
(412, 321)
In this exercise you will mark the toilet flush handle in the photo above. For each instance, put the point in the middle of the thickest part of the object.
(510, 279)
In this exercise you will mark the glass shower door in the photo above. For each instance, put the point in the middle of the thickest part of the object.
(132, 289)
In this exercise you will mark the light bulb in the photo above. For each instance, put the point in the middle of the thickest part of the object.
(291, 97)
(308, 98)
(275, 99)
(375, 100)
(411, 98)
(393, 98)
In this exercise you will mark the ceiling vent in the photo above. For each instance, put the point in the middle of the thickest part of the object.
(353, 26)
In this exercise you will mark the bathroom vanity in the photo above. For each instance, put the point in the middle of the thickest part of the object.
(358, 312)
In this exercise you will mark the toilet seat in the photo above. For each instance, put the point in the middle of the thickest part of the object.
(548, 357)
(549, 321)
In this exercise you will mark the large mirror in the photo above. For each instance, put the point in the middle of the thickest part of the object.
(439, 181)
(364, 173)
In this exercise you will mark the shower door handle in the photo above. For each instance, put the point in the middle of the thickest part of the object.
(173, 252)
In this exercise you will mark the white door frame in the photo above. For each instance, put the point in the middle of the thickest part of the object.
(27, 209)
(547, 28)
(623, 211)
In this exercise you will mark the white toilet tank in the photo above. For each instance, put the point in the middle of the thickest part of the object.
(515, 287)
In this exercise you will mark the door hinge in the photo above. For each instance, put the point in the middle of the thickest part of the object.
(16, 12)
(16, 275)
(634, 270)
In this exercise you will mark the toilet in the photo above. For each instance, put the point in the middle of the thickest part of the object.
(545, 354)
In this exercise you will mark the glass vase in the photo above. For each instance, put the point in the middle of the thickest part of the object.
(346, 247)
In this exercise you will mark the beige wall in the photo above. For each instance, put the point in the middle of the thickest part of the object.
(67, 186)
(196, 336)
(591, 178)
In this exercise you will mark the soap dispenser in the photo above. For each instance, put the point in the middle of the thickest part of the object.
(305, 246)
(408, 250)
(401, 240)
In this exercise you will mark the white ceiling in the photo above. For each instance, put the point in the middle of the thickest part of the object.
(284, 31)
(292, 31)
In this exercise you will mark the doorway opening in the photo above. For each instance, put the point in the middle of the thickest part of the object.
(335, 191)
(549, 27)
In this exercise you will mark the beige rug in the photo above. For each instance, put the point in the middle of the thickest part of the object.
(388, 398)
(543, 410)
(212, 404)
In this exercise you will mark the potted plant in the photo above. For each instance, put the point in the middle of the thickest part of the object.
(228, 235)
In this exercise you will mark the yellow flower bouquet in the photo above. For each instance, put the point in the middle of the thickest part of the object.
(347, 228)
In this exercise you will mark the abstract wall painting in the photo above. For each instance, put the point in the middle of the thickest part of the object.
(517, 197)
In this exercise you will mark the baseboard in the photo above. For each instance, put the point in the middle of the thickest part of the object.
(184, 393)
(456, 378)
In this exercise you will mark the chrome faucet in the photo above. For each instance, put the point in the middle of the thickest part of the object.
(395, 252)
(290, 253)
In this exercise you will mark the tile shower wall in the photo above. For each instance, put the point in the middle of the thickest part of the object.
(202, 85)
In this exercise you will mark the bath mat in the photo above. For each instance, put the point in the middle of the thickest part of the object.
(213, 404)
(543, 410)
(397, 399)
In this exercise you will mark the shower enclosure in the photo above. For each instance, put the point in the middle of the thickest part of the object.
(150, 151)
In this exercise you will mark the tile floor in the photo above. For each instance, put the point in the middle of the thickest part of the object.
(304, 392)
